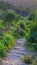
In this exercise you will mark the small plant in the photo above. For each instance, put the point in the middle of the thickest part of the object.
(34, 62)
(27, 59)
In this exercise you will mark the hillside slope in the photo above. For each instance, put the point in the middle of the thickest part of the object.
(5, 6)
(24, 3)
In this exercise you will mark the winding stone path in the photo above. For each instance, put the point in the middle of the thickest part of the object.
(14, 56)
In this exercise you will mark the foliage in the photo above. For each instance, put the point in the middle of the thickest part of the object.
(34, 62)
(1, 24)
(5, 6)
(31, 35)
(21, 26)
(19, 31)
(27, 59)
(9, 17)
(31, 17)
(8, 40)
(3, 50)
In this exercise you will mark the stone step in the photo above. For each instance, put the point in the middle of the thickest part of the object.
(14, 57)
(20, 41)
(21, 52)
(18, 47)
(17, 53)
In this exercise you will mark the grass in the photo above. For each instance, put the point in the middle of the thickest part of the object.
(1, 24)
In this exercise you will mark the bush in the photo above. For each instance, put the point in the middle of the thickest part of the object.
(17, 34)
(31, 35)
(9, 17)
(8, 40)
(27, 59)
(31, 17)
(34, 62)
(22, 25)
(3, 50)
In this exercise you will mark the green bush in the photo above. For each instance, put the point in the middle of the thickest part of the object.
(22, 25)
(8, 18)
(8, 40)
(17, 34)
(31, 17)
(31, 35)
(34, 62)
(3, 50)
(27, 59)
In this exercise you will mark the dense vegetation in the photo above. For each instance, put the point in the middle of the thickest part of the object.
(13, 26)
(31, 38)
(31, 33)
(10, 28)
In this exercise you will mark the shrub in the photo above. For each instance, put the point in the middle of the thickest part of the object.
(27, 59)
(22, 25)
(3, 50)
(34, 62)
(31, 35)
(8, 40)
(17, 34)
(31, 17)
(9, 17)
